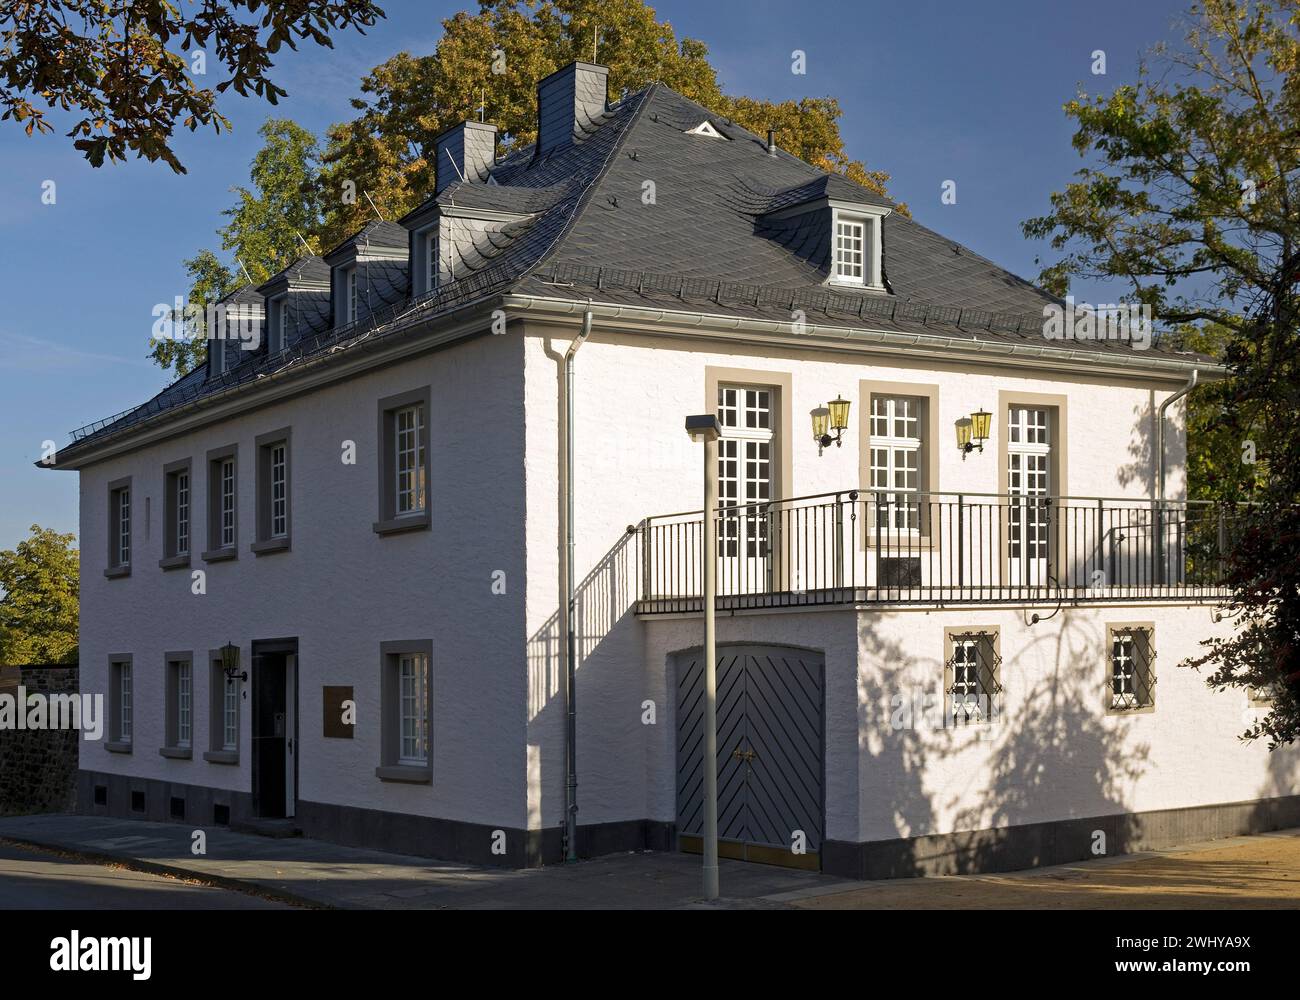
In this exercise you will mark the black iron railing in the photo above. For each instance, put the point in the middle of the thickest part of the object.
(939, 548)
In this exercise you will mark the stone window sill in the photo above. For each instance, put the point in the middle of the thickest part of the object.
(113, 572)
(175, 562)
(221, 756)
(407, 773)
(176, 753)
(395, 525)
(117, 746)
(269, 545)
(220, 555)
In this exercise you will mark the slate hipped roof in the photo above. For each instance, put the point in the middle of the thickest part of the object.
(708, 241)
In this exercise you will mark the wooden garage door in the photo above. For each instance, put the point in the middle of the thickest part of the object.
(770, 754)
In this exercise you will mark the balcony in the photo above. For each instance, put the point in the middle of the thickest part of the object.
(937, 550)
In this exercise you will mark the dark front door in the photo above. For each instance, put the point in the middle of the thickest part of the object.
(770, 757)
(270, 734)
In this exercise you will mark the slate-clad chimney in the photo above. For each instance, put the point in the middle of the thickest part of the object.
(473, 147)
(568, 102)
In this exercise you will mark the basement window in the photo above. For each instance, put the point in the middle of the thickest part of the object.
(1132, 672)
(972, 677)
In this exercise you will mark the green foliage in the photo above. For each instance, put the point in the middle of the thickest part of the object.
(409, 99)
(1189, 198)
(38, 612)
(129, 67)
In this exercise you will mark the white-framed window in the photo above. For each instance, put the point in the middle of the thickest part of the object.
(745, 475)
(182, 513)
(409, 460)
(350, 292)
(123, 716)
(413, 709)
(279, 490)
(1132, 674)
(120, 526)
(897, 438)
(1029, 486)
(226, 509)
(431, 259)
(184, 704)
(124, 527)
(282, 323)
(850, 251)
(230, 716)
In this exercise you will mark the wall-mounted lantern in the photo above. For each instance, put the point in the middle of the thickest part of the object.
(834, 416)
(230, 663)
(973, 431)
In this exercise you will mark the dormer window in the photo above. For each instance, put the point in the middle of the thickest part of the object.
(850, 240)
(350, 294)
(278, 339)
(431, 259)
(855, 250)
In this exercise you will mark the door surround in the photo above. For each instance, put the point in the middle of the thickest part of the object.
(284, 647)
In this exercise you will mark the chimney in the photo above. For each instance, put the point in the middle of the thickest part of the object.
(468, 148)
(771, 142)
(568, 103)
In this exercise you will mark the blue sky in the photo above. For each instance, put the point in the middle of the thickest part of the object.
(932, 90)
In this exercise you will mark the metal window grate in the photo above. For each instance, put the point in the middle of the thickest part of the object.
(1132, 673)
(973, 674)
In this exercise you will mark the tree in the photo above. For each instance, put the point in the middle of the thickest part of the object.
(38, 612)
(1190, 199)
(267, 230)
(492, 61)
(131, 67)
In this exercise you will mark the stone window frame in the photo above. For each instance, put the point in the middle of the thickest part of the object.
(115, 566)
(171, 705)
(172, 557)
(389, 521)
(217, 752)
(215, 551)
(390, 727)
(263, 444)
(115, 742)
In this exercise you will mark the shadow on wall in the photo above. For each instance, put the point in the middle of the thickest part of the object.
(609, 651)
(1053, 755)
(1141, 468)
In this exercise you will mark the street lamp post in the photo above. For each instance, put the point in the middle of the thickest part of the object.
(705, 429)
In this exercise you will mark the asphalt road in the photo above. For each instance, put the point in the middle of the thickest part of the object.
(38, 880)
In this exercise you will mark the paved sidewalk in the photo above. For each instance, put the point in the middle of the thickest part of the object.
(1262, 871)
(315, 873)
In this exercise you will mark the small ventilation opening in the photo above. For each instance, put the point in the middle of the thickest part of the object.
(178, 807)
(137, 802)
(101, 795)
(221, 815)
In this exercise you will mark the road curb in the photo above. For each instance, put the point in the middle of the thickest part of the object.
(247, 886)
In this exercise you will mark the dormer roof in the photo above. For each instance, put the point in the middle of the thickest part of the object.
(305, 273)
(377, 238)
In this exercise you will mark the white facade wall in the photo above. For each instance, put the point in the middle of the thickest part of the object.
(1056, 753)
(341, 589)
(634, 459)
